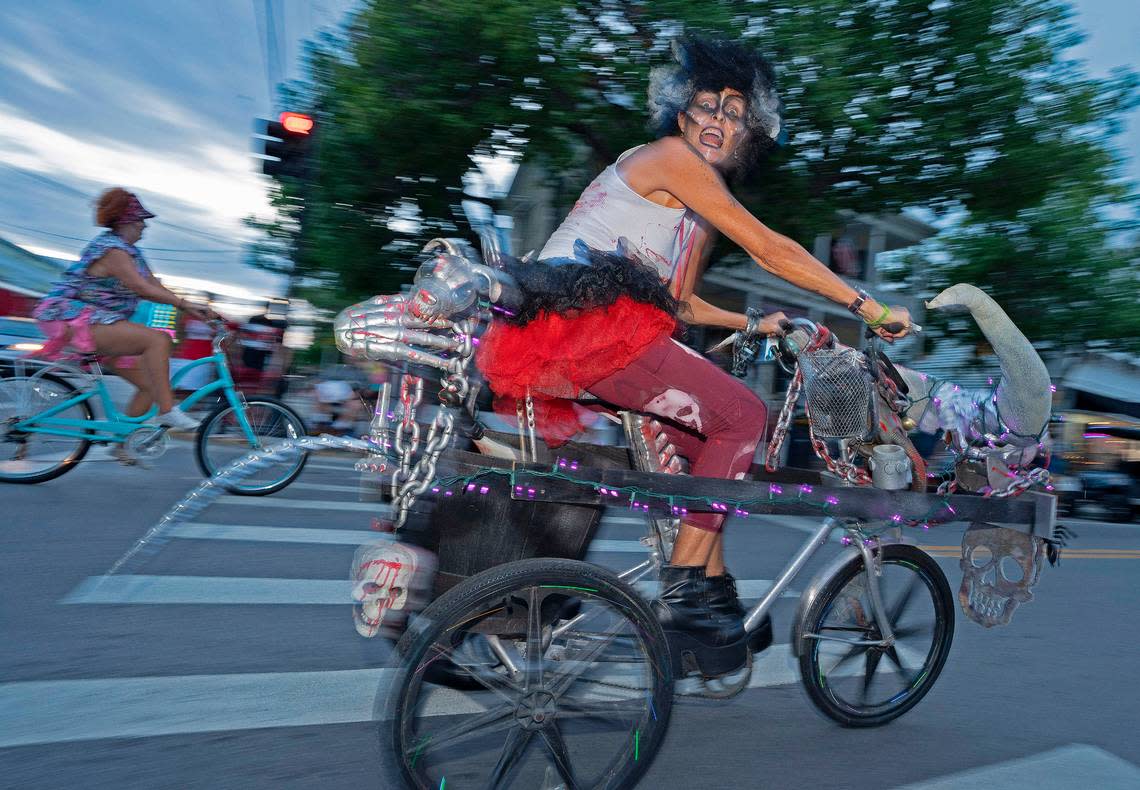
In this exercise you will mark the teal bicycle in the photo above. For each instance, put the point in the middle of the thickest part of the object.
(47, 423)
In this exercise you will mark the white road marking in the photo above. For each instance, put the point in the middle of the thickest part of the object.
(1075, 765)
(345, 537)
(132, 589)
(332, 467)
(59, 711)
(323, 487)
(747, 589)
(302, 504)
(77, 710)
(143, 589)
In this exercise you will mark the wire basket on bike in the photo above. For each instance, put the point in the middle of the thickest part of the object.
(839, 393)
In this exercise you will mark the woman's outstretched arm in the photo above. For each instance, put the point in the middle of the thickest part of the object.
(672, 166)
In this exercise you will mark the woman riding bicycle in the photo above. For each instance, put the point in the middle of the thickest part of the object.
(602, 305)
(89, 308)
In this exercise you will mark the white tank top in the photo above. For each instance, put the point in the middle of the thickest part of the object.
(609, 209)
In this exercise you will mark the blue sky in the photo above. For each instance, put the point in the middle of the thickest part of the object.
(160, 97)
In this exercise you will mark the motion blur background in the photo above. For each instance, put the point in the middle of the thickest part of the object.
(986, 141)
(995, 142)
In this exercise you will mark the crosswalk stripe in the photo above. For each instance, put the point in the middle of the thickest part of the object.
(144, 589)
(331, 467)
(76, 710)
(61, 711)
(747, 589)
(1075, 765)
(302, 504)
(206, 531)
(141, 589)
(336, 537)
(323, 487)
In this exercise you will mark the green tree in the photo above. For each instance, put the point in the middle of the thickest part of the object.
(962, 107)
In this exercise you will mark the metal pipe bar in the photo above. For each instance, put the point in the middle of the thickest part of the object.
(810, 547)
(1032, 512)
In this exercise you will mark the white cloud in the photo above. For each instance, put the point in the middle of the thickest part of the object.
(219, 182)
(35, 72)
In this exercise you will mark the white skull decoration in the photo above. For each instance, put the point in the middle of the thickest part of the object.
(385, 574)
(999, 567)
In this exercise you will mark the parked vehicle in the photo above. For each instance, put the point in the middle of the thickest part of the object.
(1112, 485)
(19, 336)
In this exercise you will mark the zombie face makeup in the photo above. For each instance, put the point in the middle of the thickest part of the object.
(715, 125)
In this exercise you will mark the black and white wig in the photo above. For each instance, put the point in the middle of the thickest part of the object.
(713, 65)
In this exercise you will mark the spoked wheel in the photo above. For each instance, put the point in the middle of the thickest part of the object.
(32, 457)
(865, 685)
(222, 440)
(576, 703)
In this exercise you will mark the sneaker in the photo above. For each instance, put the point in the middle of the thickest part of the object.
(178, 420)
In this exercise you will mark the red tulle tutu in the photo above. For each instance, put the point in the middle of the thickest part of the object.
(559, 356)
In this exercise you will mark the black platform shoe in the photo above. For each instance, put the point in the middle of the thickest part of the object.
(723, 598)
(711, 640)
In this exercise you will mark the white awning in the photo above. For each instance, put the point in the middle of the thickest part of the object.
(1119, 382)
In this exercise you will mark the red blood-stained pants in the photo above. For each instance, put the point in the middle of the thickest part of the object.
(711, 417)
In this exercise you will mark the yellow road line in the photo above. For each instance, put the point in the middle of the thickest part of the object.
(1066, 551)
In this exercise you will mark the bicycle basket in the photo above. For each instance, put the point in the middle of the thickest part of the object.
(839, 393)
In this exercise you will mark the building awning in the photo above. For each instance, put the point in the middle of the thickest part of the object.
(1118, 382)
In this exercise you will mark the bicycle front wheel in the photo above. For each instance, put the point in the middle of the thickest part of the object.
(28, 456)
(866, 685)
(222, 439)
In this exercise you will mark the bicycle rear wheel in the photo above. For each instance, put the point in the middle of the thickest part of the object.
(29, 456)
(222, 440)
(582, 702)
(865, 685)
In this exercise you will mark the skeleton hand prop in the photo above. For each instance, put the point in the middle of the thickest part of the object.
(387, 328)
(423, 326)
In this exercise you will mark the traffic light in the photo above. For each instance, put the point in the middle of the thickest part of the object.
(285, 145)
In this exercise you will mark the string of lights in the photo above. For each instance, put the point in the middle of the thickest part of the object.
(644, 500)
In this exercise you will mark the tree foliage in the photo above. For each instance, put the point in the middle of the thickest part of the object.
(965, 107)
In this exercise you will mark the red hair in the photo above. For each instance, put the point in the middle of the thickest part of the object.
(111, 205)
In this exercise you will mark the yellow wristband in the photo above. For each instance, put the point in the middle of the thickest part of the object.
(881, 319)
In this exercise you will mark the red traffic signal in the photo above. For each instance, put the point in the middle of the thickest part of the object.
(296, 123)
(284, 144)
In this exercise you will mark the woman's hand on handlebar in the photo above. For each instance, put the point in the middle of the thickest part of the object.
(895, 324)
(201, 312)
(773, 325)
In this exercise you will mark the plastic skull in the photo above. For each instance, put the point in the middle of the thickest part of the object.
(999, 567)
(385, 574)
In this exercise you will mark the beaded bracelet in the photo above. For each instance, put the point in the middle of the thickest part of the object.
(881, 319)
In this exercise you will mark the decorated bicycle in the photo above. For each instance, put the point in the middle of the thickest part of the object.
(564, 675)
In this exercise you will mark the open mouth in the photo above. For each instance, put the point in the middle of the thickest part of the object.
(713, 138)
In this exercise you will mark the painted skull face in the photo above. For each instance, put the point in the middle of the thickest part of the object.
(714, 124)
(999, 567)
(384, 575)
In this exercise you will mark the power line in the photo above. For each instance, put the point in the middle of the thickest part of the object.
(226, 251)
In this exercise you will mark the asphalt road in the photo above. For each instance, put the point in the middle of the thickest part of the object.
(228, 658)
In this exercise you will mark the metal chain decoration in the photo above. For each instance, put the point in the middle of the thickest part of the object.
(780, 433)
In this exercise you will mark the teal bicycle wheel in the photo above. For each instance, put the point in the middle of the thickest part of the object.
(27, 456)
(222, 440)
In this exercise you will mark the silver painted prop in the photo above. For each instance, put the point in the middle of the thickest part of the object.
(999, 567)
(1016, 413)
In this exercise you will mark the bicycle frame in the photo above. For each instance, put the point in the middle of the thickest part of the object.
(755, 616)
(116, 426)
